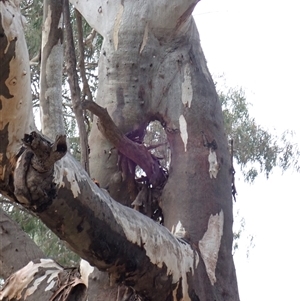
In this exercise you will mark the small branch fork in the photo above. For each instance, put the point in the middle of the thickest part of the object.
(136, 152)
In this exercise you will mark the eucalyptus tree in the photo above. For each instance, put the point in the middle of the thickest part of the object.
(151, 68)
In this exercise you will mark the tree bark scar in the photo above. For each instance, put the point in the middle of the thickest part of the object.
(7, 53)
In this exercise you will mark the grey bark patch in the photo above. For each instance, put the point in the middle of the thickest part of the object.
(6, 55)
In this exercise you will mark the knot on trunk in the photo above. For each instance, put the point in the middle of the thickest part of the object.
(33, 176)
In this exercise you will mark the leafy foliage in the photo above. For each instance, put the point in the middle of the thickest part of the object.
(33, 11)
(255, 149)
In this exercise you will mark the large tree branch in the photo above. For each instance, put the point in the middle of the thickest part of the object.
(136, 152)
(135, 250)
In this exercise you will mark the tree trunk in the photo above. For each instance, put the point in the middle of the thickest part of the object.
(151, 68)
(51, 69)
(15, 93)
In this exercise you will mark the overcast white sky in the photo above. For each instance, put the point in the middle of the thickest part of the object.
(256, 45)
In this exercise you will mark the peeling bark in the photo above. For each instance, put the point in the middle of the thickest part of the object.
(109, 226)
(102, 224)
(44, 280)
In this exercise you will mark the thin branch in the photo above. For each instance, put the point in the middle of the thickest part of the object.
(74, 86)
(86, 87)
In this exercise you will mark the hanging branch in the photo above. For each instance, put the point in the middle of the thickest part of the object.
(70, 58)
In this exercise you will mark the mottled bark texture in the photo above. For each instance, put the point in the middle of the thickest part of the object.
(17, 249)
(51, 69)
(16, 116)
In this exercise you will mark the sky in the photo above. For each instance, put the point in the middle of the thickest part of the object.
(256, 46)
